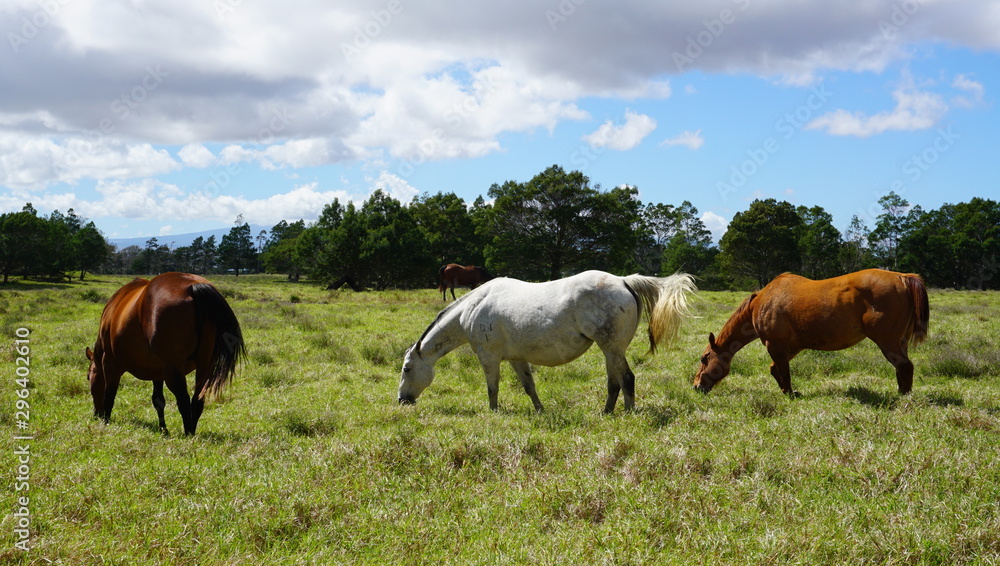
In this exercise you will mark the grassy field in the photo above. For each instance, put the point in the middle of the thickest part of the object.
(307, 458)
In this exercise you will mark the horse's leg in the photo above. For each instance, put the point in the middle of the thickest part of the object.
(898, 356)
(620, 379)
(523, 370)
(111, 381)
(491, 367)
(453, 290)
(178, 386)
(159, 403)
(780, 369)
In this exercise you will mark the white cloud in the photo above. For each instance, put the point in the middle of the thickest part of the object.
(974, 92)
(622, 137)
(687, 138)
(33, 162)
(915, 110)
(196, 155)
(397, 187)
(716, 224)
(149, 199)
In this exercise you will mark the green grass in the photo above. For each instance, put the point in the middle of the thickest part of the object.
(307, 458)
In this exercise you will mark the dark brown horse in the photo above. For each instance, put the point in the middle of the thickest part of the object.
(793, 313)
(160, 331)
(454, 275)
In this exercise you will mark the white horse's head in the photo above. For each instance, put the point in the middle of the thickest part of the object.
(417, 374)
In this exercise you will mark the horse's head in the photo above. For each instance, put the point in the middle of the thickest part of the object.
(417, 374)
(714, 366)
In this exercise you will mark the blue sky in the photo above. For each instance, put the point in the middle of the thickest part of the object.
(155, 118)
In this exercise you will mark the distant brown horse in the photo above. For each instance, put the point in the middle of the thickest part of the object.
(793, 313)
(454, 275)
(159, 331)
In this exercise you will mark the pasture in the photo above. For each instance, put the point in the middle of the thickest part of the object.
(308, 459)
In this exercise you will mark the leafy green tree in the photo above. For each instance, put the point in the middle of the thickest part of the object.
(91, 248)
(447, 226)
(279, 252)
(236, 251)
(762, 242)
(20, 236)
(956, 246)
(819, 243)
(556, 223)
(678, 239)
(854, 254)
(393, 250)
(890, 228)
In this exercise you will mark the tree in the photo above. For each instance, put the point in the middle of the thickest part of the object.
(279, 252)
(854, 254)
(557, 224)
(448, 228)
(20, 236)
(393, 250)
(956, 246)
(677, 240)
(91, 248)
(762, 242)
(236, 250)
(890, 228)
(819, 243)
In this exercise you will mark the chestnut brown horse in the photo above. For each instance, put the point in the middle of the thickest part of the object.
(160, 331)
(792, 313)
(454, 275)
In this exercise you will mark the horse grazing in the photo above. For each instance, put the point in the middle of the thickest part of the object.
(792, 313)
(454, 275)
(550, 324)
(159, 331)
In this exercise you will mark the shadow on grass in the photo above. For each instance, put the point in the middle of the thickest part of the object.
(871, 398)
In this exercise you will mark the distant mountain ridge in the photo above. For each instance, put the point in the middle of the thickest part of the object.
(179, 240)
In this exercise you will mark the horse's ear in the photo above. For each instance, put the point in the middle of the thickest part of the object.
(90, 354)
(711, 340)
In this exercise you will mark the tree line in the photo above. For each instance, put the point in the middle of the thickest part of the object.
(53, 246)
(557, 224)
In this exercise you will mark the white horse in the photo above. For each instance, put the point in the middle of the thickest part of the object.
(550, 324)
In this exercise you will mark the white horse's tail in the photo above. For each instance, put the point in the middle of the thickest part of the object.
(664, 301)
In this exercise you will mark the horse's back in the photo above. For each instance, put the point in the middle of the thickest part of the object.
(554, 321)
(147, 322)
(831, 313)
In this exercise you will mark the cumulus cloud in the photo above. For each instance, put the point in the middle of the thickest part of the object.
(276, 85)
(716, 224)
(196, 155)
(687, 138)
(622, 137)
(914, 110)
(150, 199)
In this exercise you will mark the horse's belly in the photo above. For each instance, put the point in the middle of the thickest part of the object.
(551, 350)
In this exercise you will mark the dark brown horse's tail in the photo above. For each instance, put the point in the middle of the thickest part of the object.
(921, 307)
(441, 286)
(229, 349)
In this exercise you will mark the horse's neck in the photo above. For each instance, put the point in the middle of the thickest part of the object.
(738, 330)
(444, 336)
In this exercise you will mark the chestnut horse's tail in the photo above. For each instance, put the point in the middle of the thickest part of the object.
(228, 349)
(921, 308)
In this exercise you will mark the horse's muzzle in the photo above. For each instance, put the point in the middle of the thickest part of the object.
(407, 401)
